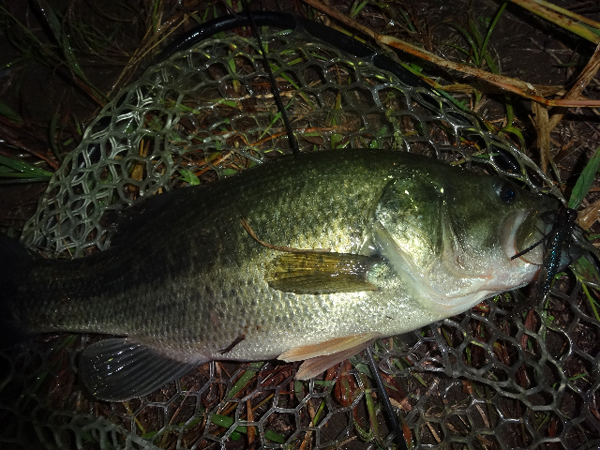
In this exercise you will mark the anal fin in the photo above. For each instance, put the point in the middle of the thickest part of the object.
(320, 357)
(117, 369)
(321, 272)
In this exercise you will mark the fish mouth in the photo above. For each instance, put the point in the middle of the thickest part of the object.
(523, 232)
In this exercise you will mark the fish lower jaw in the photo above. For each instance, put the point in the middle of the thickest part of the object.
(475, 289)
(444, 306)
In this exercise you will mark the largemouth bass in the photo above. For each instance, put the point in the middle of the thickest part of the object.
(306, 258)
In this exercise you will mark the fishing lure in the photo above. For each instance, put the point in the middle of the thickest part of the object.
(555, 247)
(554, 252)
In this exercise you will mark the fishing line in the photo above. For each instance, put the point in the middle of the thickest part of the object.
(393, 419)
(291, 138)
(385, 398)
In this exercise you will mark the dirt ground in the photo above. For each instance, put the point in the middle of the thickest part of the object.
(53, 102)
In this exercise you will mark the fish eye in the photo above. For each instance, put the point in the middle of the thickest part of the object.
(507, 193)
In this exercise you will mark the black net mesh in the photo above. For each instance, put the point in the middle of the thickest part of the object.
(481, 380)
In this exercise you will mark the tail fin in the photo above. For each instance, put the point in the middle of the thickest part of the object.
(15, 263)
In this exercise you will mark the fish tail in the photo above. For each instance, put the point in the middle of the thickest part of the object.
(15, 262)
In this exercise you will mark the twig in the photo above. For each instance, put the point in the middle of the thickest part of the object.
(521, 88)
(562, 17)
(585, 77)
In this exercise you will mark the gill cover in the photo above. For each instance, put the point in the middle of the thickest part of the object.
(425, 244)
(450, 240)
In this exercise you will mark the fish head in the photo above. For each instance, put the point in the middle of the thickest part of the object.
(452, 234)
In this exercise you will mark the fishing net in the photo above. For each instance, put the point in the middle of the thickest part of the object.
(480, 380)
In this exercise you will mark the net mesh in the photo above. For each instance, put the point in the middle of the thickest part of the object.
(482, 379)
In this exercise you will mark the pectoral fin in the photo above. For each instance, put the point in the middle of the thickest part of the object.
(321, 273)
(117, 369)
(321, 357)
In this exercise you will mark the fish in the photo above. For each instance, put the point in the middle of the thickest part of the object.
(305, 258)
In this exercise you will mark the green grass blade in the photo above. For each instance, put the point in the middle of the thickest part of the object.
(592, 301)
(491, 29)
(357, 7)
(585, 181)
(586, 271)
(245, 378)
(227, 422)
(7, 112)
(13, 168)
(468, 37)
